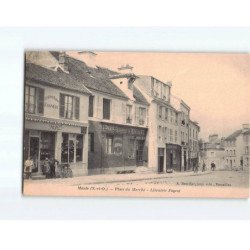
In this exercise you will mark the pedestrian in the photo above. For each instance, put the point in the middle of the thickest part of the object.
(53, 163)
(28, 166)
(212, 166)
(46, 167)
(203, 167)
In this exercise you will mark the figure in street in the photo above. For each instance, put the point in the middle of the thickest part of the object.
(203, 167)
(213, 166)
(53, 163)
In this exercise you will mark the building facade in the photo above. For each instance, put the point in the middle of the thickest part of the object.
(193, 145)
(117, 120)
(56, 119)
(164, 139)
(237, 149)
(213, 152)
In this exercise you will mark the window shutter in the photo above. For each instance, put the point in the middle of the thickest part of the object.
(77, 107)
(40, 101)
(62, 104)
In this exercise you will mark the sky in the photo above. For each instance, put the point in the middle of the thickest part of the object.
(215, 86)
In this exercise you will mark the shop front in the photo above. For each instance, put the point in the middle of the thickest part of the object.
(52, 138)
(173, 157)
(116, 148)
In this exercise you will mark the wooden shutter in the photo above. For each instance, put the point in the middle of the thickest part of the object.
(77, 107)
(62, 104)
(40, 101)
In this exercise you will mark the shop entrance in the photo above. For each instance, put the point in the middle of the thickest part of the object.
(185, 160)
(139, 152)
(160, 159)
(34, 152)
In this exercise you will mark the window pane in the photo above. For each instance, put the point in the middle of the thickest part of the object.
(47, 148)
(79, 147)
(106, 109)
(64, 153)
(91, 106)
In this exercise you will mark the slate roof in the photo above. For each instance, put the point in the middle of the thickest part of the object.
(234, 135)
(93, 78)
(139, 97)
(56, 78)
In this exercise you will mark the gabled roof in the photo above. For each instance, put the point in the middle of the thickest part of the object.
(234, 135)
(139, 98)
(93, 78)
(57, 78)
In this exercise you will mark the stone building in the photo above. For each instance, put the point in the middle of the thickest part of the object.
(213, 152)
(194, 130)
(237, 149)
(164, 141)
(56, 118)
(118, 119)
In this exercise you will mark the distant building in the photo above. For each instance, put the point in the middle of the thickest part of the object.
(194, 150)
(237, 149)
(213, 152)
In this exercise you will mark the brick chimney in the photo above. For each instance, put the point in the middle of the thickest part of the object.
(245, 127)
(63, 61)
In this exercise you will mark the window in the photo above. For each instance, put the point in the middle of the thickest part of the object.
(139, 150)
(246, 150)
(79, 147)
(91, 142)
(231, 152)
(91, 106)
(106, 109)
(234, 152)
(160, 111)
(72, 148)
(129, 114)
(166, 114)
(171, 116)
(175, 136)
(142, 116)
(69, 106)
(47, 145)
(131, 149)
(171, 135)
(164, 92)
(159, 133)
(109, 144)
(176, 118)
(34, 100)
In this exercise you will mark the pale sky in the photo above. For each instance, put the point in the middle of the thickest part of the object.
(215, 86)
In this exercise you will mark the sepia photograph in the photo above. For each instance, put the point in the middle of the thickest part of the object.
(136, 124)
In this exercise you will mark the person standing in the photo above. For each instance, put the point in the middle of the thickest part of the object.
(53, 162)
(28, 166)
(203, 167)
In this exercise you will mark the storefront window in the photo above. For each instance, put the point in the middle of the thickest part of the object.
(79, 147)
(131, 152)
(109, 144)
(47, 149)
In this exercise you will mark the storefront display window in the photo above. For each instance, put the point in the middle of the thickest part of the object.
(79, 147)
(109, 144)
(47, 146)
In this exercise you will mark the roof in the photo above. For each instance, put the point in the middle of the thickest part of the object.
(234, 135)
(93, 78)
(56, 78)
(139, 98)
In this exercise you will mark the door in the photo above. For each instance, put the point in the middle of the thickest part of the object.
(160, 159)
(139, 152)
(185, 160)
(34, 152)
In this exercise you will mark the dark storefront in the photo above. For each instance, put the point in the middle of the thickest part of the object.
(173, 157)
(114, 148)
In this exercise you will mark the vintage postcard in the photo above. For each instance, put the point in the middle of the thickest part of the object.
(136, 124)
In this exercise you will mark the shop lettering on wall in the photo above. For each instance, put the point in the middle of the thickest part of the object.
(118, 146)
(56, 126)
(115, 129)
(48, 103)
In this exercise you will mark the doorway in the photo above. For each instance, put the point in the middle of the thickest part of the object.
(160, 160)
(34, 152)
(185, 160)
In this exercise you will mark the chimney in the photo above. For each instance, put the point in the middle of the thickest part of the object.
(88, 57)
(63, 61)
(126, 69)
(245, 127)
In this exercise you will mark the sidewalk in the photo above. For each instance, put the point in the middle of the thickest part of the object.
(113, 178)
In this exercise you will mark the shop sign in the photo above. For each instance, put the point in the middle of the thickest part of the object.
(48, 103)
(116, 129)
(56, 126)
(118, 146)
